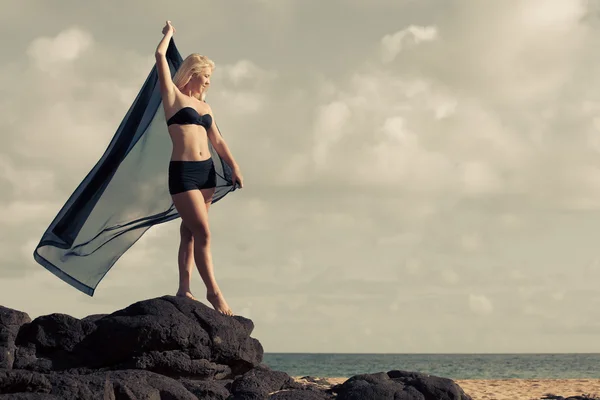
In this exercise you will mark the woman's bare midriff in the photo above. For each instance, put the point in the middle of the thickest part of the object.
(190, 143)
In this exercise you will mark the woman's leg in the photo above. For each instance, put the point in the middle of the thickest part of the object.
(193, 210)
(185, 256)
(185, 261)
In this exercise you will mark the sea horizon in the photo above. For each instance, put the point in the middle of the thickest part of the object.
(425, 353)
(458, 366)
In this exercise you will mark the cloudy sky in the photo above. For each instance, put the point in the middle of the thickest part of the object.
(420, 176)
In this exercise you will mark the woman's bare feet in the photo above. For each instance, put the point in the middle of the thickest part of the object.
(185, 293)
(216, 299)
(219, 303)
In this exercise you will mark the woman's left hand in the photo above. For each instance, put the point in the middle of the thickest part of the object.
(236, 176)
(168, 28)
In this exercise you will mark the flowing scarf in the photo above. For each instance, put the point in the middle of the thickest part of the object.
(123, 196)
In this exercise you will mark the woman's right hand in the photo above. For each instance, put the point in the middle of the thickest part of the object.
(168, 28)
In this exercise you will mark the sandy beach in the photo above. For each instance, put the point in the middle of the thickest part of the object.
(528, 389)
(517, 389)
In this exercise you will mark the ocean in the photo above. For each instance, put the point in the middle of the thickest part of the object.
(453, 366)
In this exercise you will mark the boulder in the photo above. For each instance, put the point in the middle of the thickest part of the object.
(170, 348)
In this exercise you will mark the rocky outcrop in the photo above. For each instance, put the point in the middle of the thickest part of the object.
(169, 348)
(10, 323)
(399, 385)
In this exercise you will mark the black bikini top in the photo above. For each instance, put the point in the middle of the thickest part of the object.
(189, 116)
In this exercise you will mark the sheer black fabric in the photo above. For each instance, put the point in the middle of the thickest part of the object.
(124, 195)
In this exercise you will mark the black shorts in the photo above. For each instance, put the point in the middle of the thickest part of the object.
(191, 175)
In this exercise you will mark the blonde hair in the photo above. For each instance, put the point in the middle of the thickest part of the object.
(191, 66)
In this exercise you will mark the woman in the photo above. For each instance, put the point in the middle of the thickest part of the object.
(192, 177)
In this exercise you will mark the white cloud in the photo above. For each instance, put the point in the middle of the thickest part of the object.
(295, 264)
(83, 140)
(558, 295)
(67, 46)
(27, 249)
(478, 178)
(247, 72)
(558, 16)
(413, 266)
(450, 276)
(329, 129)
(528, 292)
(480, 304)
(471, 241)
(245, 87)
(475, 127)
(516, 275)
(393, 44)
(243, 69)
(242, 103)
(531, 310)
(509, 220)
(25, 212)
(27, 183)
(401, 239)
(395, 129)
(583, 182)
(296, 170)
(482, 126)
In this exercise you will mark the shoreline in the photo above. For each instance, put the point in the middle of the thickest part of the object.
(506, 388)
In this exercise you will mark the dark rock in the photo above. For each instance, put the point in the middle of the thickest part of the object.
(300, 395)
(128, 384)
(28, 396)
(399, 385)
(170, 335)
(54, 332)
(148, 326)
(94, 317)
(231, 343)
(10, 323)
(373, 386)
(433, 387)
(249, 396)
(260, 382)
(176, 363)
(48, 342)
(173, 323)
(26, 358)
(208, 390)
(17, 381)
(170, 348)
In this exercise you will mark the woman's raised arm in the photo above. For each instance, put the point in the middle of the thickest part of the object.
(167, 88)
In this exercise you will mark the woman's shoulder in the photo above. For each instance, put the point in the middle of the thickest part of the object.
(206, 106)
